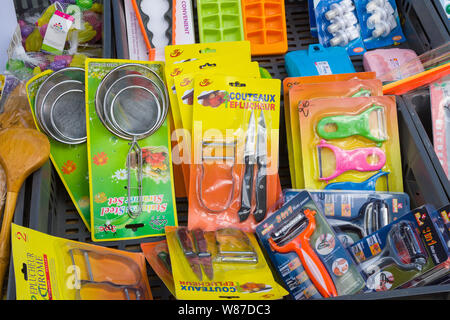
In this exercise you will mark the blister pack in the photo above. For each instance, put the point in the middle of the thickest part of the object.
(402, 250)
(306, 252)
(306, 91)
(234, 174)
(52, 268)
(129, 149)
(291, 118)
(352, 139)
(57, 103)
(380, 24)
(337, 25)
(223, 264)
(356, 214)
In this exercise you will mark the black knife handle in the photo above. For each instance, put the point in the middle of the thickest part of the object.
(260, 191)
(247, 189)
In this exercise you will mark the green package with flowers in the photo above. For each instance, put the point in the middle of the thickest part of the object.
(129, 149)
(69, 159)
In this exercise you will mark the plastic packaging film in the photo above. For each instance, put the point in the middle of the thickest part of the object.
(353, 156)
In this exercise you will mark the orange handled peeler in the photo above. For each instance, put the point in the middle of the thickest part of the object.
(294, 236)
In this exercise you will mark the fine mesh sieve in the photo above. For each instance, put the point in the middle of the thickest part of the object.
(60, 106)
(68, 116)
(141, 90)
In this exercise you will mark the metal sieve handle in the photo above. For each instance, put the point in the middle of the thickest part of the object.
(134, 147)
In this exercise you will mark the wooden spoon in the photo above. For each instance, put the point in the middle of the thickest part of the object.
(22, 151)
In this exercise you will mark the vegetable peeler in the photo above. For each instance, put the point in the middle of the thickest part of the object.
(343, 126)
(367, 185)
(374, 213)
(196, 251)
(227, 158)
(401, 239)
(255, 153)
(294, 236)
(347, 160)
(95, 264)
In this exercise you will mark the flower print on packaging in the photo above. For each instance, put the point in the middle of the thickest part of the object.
(131, 179)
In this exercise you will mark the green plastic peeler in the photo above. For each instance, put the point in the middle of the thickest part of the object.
(344, 126)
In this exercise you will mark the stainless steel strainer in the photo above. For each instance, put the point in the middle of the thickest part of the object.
(60, 106)
(132, 103)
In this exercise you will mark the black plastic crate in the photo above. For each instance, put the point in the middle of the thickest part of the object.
(418, 105)
(56, 214)
(424, 23)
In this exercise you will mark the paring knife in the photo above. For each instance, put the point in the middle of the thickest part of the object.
(188, 250)
(255, 153)
(249, 162)
(261, 173)
(204, 256)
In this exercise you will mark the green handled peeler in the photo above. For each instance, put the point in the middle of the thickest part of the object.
(343, 126)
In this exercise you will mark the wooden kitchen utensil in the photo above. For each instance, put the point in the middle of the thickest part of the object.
(22, 151)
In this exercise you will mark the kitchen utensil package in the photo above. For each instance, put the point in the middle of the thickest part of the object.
(306, 252)
(349, 140)
(291, 119)
(234, 174)
(129, 149)
(338, 25)
(306, 91)
(57, 102)
(441, 273)
(189, 58)
(402, 250)
(52, 268)
(157, 255)
(379, 22)
(185, 52)
(184, 82)
(355, 214)
(220, 265)
(184, 90)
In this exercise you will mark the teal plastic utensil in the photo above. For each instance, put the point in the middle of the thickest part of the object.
(220, 20)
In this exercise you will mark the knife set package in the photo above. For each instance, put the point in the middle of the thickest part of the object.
(356, 214)
(338, 25)
(234, 178)
(379, 22)
(52, 268)
(439, 93)
(306, 91)
(183, 91)
(188, 58)
(306, 252)
(403, 250)
(349, 141)
(223, 264)
(164, 22)
(291, 118)
(157, 255)
(57, 103)
(129, 149)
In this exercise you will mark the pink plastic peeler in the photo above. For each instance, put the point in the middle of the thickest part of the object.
(347, 160)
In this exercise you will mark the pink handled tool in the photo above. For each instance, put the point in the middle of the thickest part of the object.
(356, 159)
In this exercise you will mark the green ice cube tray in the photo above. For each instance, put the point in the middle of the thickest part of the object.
(220, 20)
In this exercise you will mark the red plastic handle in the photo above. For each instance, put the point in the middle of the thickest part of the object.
(309, 259)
